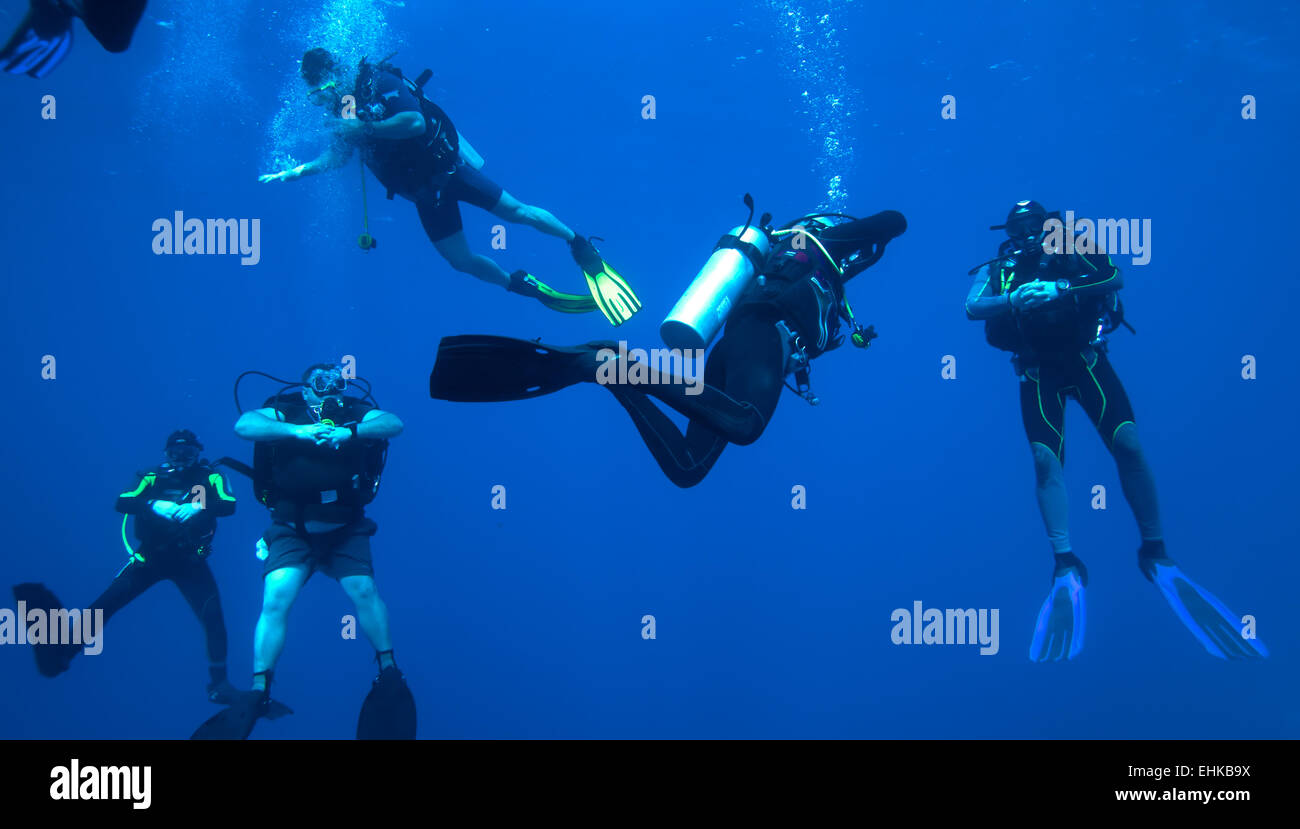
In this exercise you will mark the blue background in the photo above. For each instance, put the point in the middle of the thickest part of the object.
(771, 622)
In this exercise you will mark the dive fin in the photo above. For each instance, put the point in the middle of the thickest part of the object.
(1216, 627)
(614, 297)
(236, 721)
(1058, 633)
(51, 659)
(525, 284)
(112, 22)
(475, 368)
(40, 42)
(388, 712)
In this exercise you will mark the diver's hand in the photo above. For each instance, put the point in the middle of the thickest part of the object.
(165, 509)
(310, 432)
(1019, 295)
(286, 175)
(185, 512)
(1043, 292)
(335, 436)
(1034, 294)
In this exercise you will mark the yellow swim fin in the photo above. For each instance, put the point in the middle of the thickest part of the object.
(613, 296)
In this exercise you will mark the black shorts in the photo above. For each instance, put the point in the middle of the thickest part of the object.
(337, 553)
(1089, 379)
(441, 216)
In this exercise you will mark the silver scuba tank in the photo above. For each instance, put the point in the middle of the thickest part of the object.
(700, 313)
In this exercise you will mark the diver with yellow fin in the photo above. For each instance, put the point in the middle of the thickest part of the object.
(416, 152)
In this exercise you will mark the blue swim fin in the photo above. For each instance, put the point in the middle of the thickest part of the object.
(1216, 627)
(41, 41)
(1059, 631)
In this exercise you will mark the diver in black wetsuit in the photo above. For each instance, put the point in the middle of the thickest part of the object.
(787, 317)
(176, 507)
(1052, 308)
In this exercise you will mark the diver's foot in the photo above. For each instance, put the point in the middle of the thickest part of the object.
(588, 358)
(222, 693)
(1150, 554)
(585, 254)
(389, 674)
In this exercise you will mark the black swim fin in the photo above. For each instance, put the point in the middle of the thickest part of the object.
(475, 368)
(40, 42)
(51, 659)
(112, 22)
(389, 710)
(236, 721)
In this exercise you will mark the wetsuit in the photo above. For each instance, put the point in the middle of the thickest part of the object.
(427, 168)
(1054, 356)
(1059, 355)
(173, 551)
(317, 494)
(745, 372)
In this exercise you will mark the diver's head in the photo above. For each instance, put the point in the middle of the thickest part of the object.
(182, 449)
(1025, 223)
(321, 72)
(323, 385)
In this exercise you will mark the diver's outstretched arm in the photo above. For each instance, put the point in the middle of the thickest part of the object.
(336, 156)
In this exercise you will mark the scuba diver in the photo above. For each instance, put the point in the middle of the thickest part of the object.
(415, 151)
(1053, 310)
(317, 459)
(176, 507)
(44, 37)
(781, 293)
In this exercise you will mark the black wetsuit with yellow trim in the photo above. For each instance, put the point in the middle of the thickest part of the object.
(745, 373)
(1052, 343)
(173, 551)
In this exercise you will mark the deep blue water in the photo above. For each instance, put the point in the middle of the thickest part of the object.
(771, 622)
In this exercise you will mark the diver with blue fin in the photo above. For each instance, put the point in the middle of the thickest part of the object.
(176, 506)
(318, 455)
(1053, 309)
(44, 37)
(416, 152)
(780, 293)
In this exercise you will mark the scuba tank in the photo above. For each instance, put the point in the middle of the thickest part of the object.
(696, 318)
(700, 313)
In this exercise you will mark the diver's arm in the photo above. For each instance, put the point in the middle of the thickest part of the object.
(981, 304)
(334, 157)
(1100, 276)
(137, 500)
(223, 501)
(860, 235)
(379, 425)
(338, 154)
(266, 425)
(402, 125)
